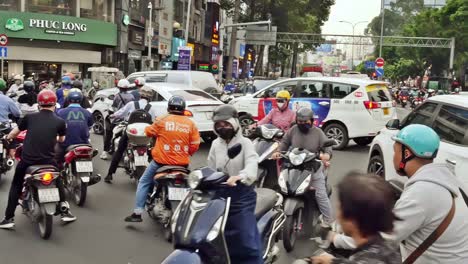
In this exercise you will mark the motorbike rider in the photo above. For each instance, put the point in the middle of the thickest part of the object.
(242, 236)
(84, 102)
(62, 92)
(138, 84)
(177, 139)
(305, 135)
(8, 109)
(14, 88)
(428, 195)
(28, 100)
(281, 117)
(44, 130)
(120, 100)
(146, 95)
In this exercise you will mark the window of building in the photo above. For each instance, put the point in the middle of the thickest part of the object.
(452, 125)
(42, 71)
(55, 7)
(96, 9)
(166, 16)
(10, 5)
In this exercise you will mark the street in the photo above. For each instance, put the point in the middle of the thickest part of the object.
(101, 236)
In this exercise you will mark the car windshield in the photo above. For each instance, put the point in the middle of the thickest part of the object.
(192, 95)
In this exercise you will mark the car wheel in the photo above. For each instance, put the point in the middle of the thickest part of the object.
(338, 133)
(376, 166)
(245, 121)
(98, 126)
(363, 141)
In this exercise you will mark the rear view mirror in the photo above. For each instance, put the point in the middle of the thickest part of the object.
(329, 143)
(234, 151)
(393, 124)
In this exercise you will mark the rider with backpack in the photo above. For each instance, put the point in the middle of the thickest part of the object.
(134, 112)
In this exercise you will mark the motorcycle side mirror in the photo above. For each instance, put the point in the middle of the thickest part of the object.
(329, 143)
(393, 124)
(234, 151)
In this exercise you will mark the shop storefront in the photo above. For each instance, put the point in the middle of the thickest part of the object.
(46, 46)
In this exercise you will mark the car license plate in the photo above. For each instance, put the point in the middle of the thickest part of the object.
(386, 111)
(84, 166)
(48, 195)
(141, 160)
(177, 194)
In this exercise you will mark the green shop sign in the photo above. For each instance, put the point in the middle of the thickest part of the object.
(52, 27)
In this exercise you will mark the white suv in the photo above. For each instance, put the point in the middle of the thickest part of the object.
(448, 116)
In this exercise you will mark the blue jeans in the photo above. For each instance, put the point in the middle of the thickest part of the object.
(144, 186)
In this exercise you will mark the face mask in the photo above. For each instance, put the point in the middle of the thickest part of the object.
(225, 133)
(304, 128)
(280, 106)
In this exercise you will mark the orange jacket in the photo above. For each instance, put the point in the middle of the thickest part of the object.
(177, 138)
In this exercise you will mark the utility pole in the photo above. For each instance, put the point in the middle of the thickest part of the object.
(187, 23)
(352, 45)
(382, 28)
(232, 47)
(150, 34)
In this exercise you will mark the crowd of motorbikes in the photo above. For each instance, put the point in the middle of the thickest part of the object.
(413, 97)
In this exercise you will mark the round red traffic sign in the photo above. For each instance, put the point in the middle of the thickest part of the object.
(379, 62)
(3, 40)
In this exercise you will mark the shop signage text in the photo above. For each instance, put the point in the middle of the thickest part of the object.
(58, 27)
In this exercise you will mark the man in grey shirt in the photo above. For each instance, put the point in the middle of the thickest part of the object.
(305, 135)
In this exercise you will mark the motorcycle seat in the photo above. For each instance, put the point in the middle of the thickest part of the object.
(71, 147)
(38, 168)
(169, 168)
(266, 200)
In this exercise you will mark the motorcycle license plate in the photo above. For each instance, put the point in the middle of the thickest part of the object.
(177, 194)
(85, 179)
(48, 195)
(386, 111)
(84, 166)
(1, 148)
(141, 160)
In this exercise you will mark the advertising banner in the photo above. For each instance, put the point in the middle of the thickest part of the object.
(184, 58)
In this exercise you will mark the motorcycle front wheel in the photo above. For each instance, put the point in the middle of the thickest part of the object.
(292, 227)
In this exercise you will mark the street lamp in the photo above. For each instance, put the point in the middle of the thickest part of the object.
(150, 33)
(352, 48)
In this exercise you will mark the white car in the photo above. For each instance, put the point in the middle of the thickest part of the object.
(448, 116)
(344, 108)
(200, 105)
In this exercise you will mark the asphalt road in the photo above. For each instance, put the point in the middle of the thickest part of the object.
(101, 236)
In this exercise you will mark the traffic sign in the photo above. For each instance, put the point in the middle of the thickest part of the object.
(379, 62)
(3, 52)
(3, 40)
(370, 65)
(379, 72)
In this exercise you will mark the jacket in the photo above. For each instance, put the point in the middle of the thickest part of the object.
(79, 121)
(7, 106)
(62, 94)
(376, 251)
(125, 111)
(312, 141)
(118, 103)
(177, 138)
(244, 165)
(280, 119)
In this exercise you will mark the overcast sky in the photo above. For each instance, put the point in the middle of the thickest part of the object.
(352, 11)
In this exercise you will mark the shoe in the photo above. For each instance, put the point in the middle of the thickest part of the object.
(7, 223)
(104, 155)
(67, 217)
(108, 178)
(133, 218)
(94, 179)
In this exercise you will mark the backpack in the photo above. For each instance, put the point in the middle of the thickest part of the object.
(140, 115)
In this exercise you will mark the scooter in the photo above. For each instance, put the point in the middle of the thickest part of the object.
(299, 167)
(403, 100)
(265, 144)
(6, 163)
(199, 221)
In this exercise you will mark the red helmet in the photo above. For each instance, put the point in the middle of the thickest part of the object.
(46, 98)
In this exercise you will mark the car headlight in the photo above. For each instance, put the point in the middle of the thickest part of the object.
(194, 179)
(297, 159)
(268, 133)
(214, 232)
(282, 181)
(304, 185)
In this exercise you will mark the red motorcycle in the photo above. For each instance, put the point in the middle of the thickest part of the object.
(403, 100)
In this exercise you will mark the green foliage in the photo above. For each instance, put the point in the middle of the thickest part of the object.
(402, 69)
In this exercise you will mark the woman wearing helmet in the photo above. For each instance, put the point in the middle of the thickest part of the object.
(14, 88)
(76, 96)
(242, 237)
(28, 101)
(281, 116)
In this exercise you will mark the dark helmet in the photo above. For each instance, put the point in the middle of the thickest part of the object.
(176, 105)
(224, 112)
(78, 85)
(304, 114)
(28, 86)
(75, 96)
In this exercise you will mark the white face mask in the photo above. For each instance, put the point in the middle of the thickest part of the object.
(280, 105)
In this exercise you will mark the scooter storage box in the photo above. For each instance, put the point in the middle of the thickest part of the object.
(136, 134)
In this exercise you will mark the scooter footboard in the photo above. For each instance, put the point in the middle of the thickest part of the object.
(183, 256)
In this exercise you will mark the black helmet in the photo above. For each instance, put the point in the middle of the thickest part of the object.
(77, 84)
(28, 86)
(224, 112)
(304, 114)
(176, 105)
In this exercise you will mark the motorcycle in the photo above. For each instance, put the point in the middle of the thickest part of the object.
(403, 100)
(6, 163)
(226, 97)
(199, 221)
(171, 188)
(299, 167)
(78, 171)
(416, 102)
(266, 142)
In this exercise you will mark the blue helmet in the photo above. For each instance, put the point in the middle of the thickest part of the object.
(422, 140)
(75, 96)
(66, 80)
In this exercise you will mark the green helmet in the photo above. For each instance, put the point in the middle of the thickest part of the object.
(2, 85)
(422, 140)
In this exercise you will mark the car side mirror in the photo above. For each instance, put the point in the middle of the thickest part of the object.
(234, 151)
(329, 143)
(393, 124)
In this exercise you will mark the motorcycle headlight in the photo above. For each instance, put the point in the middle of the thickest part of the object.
(268, 133)
(282, 182)
(297, 159)
(214, 232)
(304, 185)
(194, 179)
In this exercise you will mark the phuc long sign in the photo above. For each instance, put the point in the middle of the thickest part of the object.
(58, 27)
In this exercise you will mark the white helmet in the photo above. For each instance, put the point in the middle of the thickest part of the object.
(123, 84)
(17, 77)
(95, 84)
(140, 81)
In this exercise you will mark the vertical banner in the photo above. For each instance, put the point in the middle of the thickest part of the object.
(184, 59)
(235, 69)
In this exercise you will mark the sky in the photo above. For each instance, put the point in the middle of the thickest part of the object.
(352, 11)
